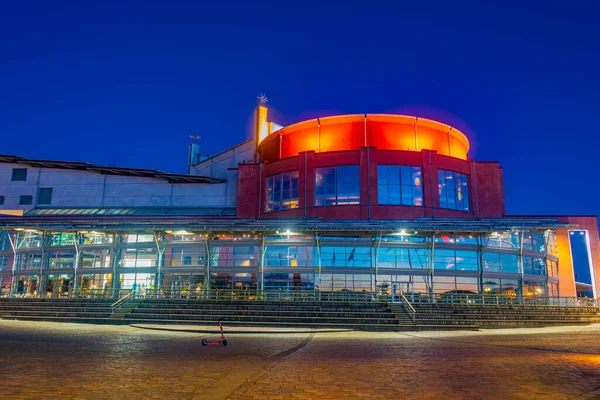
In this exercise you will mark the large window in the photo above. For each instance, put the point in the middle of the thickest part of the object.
(337, 185)
(138, 258)
(534, 265)
(29, 261)
(496, 262)
(534, 242)
(396, 257)
(337, 256)
(61, 259)
(509, 240)
(60, 239)
(282, 191)
(290, 256)
(185, 256)
(96, 258)
(234, 256)
(4, 263)
(399, 185)
(455, 260)
(453, 190)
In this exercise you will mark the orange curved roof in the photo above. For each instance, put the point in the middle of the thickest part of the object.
(350, 132)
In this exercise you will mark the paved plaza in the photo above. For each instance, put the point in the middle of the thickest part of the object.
(42, 360)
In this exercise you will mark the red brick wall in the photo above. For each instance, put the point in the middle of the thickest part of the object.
(485, 178)
(248, 190)
(490, 190)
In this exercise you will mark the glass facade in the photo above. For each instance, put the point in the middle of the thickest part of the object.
(453, 190)
(399, 185)
(490, 263)
(282, 191)
(337, 185)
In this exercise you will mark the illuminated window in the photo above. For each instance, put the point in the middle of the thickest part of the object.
(399, 185)
(337, 185)
(282, 191)
(453, 190)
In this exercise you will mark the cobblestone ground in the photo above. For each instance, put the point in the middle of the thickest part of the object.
(41, 360)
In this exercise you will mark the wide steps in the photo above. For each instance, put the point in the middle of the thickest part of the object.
(265, 313)
(502, 316)
(288, 324)
(42, 313)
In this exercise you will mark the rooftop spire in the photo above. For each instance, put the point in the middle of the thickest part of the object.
(261, 99)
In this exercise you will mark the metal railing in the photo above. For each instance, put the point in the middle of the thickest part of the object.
(74, 294)
(264, 295)
(408, 307)
(123, 301)
(497, 300)
(287, 295)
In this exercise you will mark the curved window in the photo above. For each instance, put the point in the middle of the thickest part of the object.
(399, 185)
(453, 190)
(282, 191)
(337, 185)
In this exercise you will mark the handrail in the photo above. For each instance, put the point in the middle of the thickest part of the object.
(504, 300)
(266, 295)
(122, 301)
(408, 307)
(331, 296)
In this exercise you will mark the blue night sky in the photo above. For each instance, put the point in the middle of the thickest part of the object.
(125, 84)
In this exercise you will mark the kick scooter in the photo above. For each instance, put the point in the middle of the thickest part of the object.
(221, 340)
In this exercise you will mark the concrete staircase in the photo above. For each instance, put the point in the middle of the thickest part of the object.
(361, 316)
(371, 316)
(501, 316)
(404, 319)
(121, 313)
(68, 310)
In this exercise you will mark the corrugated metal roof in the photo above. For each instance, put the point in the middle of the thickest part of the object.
(144, 173)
